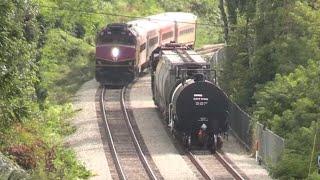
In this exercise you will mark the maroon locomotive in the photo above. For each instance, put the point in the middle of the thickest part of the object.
(123, 50)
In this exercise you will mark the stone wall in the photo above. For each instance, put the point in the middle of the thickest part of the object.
(10, 171)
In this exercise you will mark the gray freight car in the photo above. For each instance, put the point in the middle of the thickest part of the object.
(193, 106)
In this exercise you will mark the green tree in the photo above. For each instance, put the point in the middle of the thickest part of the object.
(290, 106)
(18, 43)
(239, 34)
(266, 38)
(290, 101)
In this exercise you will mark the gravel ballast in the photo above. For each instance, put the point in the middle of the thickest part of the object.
(243, 160)
(87, 141)
(88, 144)
(169, 162)
(163, 152)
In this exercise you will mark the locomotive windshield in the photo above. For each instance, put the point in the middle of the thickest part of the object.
(115, 37)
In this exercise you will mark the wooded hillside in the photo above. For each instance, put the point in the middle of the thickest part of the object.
(272, 71)
(46, 53)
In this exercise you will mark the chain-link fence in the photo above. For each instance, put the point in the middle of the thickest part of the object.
(269, 145)
(240, 124)
(239, 120)
(216, 60)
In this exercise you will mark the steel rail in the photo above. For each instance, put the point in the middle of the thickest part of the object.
(228, 166)
(120, 171)
(203, 171)
(136, 142)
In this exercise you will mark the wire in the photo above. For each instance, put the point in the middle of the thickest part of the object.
(126, 16)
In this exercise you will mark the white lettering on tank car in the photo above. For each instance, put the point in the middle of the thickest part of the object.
(199, 100)
(202, 119)
(197, 95)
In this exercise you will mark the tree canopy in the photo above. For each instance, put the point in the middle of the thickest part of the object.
(272, 71)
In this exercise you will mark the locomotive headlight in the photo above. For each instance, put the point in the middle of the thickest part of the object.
(115, 52)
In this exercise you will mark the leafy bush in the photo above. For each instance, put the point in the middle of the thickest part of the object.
(290, 101)
(291, 166)
(23, 155)
(295, 161)
(38, 145)
(289, 107)
(46, 53)
(66, 63)
(18, 40)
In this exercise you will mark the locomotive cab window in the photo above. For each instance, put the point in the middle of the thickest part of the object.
(167, 35)
(186, 31)
(153, 41)
(115, 38)
(142, 47)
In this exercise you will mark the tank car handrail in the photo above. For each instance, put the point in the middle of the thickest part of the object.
(209, 70)
(174, 46)
(181, 73)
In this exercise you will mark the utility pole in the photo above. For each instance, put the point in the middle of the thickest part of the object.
(313, 149)
(319, 164)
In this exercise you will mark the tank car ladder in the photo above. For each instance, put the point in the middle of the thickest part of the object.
(171, 122)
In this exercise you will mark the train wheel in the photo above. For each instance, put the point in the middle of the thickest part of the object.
(219, 142)
(213, 148)
(188, 143)
(137, 72)
(212, 144)
(171, 125)
(185, 141)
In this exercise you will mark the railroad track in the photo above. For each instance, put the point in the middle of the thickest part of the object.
(214, 166)
(128, 158)
(133, 165)
(209, 166)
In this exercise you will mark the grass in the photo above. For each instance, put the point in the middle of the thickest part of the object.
(37, 143)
